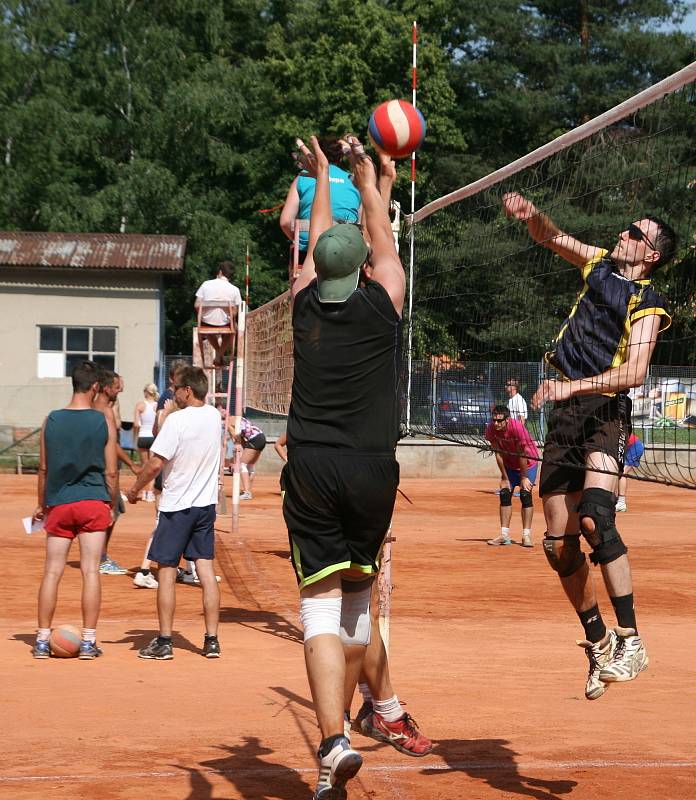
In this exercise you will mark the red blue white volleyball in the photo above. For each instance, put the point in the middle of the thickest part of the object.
(396, 128)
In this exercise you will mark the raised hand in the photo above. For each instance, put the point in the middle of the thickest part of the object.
(310, 161)
(361, 165)
(517, 206)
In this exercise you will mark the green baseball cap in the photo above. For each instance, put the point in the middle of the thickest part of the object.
(338, 255)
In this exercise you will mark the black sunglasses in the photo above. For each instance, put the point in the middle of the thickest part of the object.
(635, 233)
(499, 420)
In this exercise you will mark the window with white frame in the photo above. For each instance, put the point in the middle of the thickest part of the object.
(61, 348)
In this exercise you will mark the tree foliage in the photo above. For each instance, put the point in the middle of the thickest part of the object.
(179, 116)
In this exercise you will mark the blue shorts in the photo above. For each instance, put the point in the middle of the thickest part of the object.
(634, 454)
(514, 475)
(189, 533)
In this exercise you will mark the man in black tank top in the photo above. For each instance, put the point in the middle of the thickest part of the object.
(342, 475)
(603, 349)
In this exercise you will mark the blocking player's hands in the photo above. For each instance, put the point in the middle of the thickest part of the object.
(361, 165)
(314, 160)
(517, 206)
(387, 168)
(551, 391)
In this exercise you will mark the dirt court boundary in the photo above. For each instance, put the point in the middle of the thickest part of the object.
(482, 651)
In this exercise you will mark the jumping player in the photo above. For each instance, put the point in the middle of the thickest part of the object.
(603, 349)
(342, 475)
(517, 459)
(77, 492)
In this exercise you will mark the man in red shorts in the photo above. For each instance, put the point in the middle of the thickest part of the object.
(76, 496)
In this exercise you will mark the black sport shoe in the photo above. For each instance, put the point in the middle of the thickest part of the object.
(211, 647)
(162, 651)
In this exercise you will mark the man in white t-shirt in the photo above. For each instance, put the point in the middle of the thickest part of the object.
(218, 290)
(517, 405)
(187, 452)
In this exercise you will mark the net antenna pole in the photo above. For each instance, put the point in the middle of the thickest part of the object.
(238, 405)
(247, 273)
(409, 379)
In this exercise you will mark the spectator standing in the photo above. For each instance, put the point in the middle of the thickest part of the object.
(517, 405)
(143, 423)
(77, 492)
(187, 451)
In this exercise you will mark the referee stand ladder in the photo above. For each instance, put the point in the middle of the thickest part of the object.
(220, 372)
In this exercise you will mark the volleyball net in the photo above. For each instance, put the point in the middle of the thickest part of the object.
(488, 301)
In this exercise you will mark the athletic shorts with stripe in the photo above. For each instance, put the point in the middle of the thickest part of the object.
(337, 506)
(577, 427)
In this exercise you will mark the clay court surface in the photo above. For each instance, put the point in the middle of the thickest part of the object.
(482, 652)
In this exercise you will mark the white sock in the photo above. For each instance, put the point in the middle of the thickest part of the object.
(43, 634)
(390, 710)
(365, 692)
(89, 635)
(505, 533)
(526, 531)
(622, 498)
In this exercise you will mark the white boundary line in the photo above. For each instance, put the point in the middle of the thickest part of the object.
(459, 766)
(633, 104)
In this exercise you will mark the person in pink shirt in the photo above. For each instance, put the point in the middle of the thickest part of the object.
(517, 458)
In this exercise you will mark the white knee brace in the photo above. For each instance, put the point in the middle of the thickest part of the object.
(355, 612)
(320, 615)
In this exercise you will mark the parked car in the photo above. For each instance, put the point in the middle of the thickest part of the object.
(462, 407)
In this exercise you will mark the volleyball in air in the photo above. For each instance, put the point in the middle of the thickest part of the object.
(396, 128)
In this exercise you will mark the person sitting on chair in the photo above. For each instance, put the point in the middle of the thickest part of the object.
(218, 290)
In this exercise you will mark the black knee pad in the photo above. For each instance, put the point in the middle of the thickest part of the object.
(526, 498)
(505, 497)
(566, 559)
(600, 506)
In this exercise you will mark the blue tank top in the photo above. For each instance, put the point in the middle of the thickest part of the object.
(345, 198)
(74, 441)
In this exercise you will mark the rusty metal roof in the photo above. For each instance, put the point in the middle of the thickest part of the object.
(93, 250)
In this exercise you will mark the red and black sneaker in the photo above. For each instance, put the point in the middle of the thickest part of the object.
(402, 734)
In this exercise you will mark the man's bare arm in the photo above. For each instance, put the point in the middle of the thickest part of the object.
(290, 210)
(386, 266)
(147, 474)
(111, 463)
(43, 467)
(545, 231)
(321, 218)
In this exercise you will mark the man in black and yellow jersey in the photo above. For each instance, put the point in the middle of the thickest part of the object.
(602, 350)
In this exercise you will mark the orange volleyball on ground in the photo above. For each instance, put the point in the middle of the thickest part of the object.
(65, 641)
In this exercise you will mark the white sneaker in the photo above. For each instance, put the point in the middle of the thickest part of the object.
(628, 660)
(599, 657)
(621, 505)
(245, 496)
(336, 769)
(526, 540)
(500, 540)
(149, 497)
(145, 581)
(190, 578)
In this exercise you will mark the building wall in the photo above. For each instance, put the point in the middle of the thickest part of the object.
(128, 301)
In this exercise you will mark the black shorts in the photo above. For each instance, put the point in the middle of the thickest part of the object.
(257, 442)
(189, 533)
(145, 442)
(577, 427)
(338, 505)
